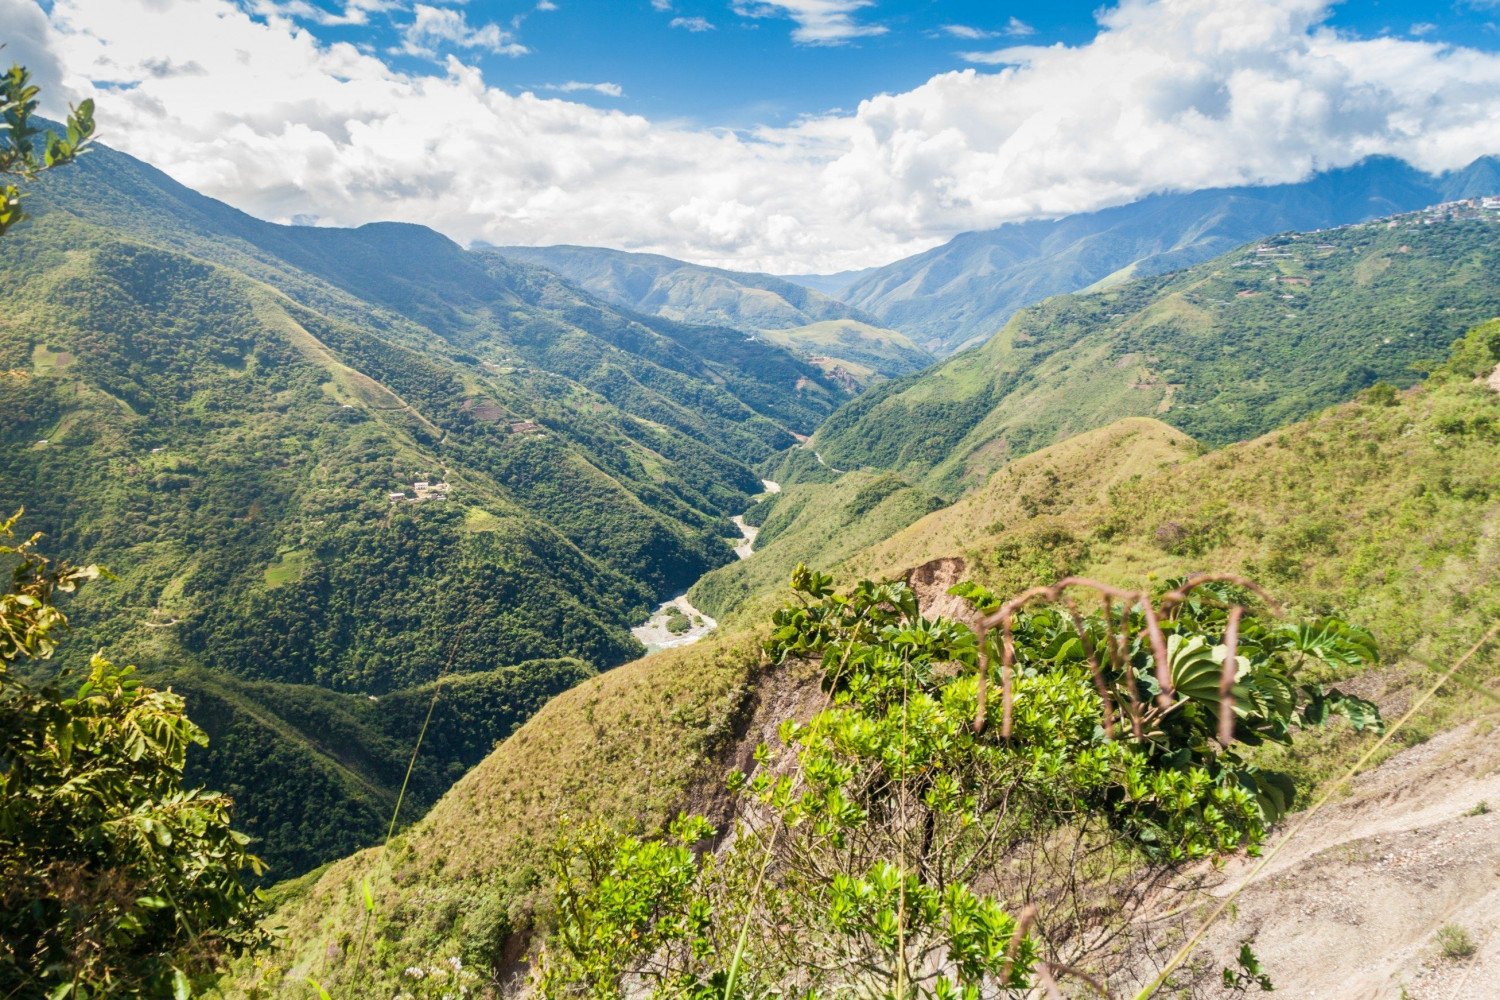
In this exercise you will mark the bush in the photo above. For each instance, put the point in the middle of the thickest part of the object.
(879, 849)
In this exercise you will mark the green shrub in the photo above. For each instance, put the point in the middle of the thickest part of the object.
(115, 880)
(1455, 943)
(880, 851)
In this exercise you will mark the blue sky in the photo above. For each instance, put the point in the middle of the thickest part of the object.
(781, 135)
(747, 70)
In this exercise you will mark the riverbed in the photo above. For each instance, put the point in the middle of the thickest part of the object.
(654, 634)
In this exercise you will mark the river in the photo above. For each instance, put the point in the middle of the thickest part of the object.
(654, 632)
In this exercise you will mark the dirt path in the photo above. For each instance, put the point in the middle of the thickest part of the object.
(1351, 907)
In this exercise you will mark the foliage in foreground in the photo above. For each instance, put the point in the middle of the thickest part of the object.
(114, 879)
(899, 846)
(19, 140)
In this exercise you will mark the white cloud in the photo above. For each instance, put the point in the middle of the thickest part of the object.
(966, 32)
(819, 22)
(691, 23)
(353, 12)
(662, 5)
(575, 86)
(1171, 95)
(1014, 28)
(545, 5)
(433, 27)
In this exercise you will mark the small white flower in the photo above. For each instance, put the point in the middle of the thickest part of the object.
(414, 971)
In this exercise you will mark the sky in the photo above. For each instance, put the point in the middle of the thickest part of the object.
(781, 135)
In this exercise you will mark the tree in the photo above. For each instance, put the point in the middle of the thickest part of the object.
(114, 879)
(19, 140)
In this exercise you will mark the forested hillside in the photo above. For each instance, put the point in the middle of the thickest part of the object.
(962, 292)
(804, 320)
(346, 457)
(1224, 350)
(1382, 510)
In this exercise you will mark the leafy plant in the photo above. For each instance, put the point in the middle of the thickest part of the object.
(19, 140)
(1247, 973)
(114, 879)
(880, 850)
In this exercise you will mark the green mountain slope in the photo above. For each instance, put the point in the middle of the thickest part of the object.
(1384, 508)
(962, 292)
(285, 751)
(801, 319)
(219, 409)
(1224, 350)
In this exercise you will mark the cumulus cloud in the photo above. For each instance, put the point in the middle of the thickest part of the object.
(575, 86)
(432, 28)
(1170, 95)
(819, 22)
(691, 23)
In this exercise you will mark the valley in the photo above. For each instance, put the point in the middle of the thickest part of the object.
(676, 622)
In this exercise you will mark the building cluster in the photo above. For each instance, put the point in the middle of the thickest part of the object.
(421, 492)
(1485, 209)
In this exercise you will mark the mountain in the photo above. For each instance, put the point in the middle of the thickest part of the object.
(357, 460)
(803, 320)
(1381, 509)
(960, 293)
(1224, 350)
(832, 285)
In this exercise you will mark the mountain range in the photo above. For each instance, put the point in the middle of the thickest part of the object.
(958, 294)
(1382, 508)
(827, 332)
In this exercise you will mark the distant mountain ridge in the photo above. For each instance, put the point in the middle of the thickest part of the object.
(692, 293)
(963, 291)
(1224, 350)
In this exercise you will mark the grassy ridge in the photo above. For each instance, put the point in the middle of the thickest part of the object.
(1385, 507)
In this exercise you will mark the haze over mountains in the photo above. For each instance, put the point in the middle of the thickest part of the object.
(958, 294)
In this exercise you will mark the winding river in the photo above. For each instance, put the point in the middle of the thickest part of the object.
(654, 634)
